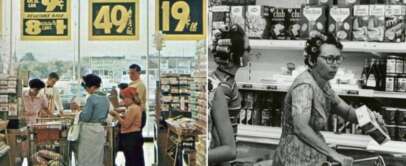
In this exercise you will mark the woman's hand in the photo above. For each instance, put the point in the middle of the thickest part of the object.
(343, 160)
(114, 113)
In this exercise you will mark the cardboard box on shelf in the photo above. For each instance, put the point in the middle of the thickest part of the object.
(340, 22)
(360, 25)
(278, 25)
(376, 23)
(220, 17)
(314, 19)
(257, 21)
(293, 16)
(394, 23)
(238, 15)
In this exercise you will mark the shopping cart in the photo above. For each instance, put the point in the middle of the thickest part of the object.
(372, 161)
(48, 136)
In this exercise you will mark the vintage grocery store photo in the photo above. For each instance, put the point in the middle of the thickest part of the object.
(103, 82)
(306, 82)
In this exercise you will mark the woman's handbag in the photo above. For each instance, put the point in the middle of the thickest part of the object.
(74, 130)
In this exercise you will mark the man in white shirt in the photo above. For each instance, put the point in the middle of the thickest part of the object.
(52, 94)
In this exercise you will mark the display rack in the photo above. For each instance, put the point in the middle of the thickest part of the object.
(175, 90)
(180, 141)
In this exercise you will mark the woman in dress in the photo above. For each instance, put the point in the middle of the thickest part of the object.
(308, 104)
(92, 135)
(230, 52)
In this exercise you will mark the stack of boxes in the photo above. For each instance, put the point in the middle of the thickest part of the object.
(8, 96)
(175, 91)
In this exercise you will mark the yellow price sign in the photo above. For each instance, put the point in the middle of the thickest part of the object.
(113, 20)
(45, 19)
(181, 19)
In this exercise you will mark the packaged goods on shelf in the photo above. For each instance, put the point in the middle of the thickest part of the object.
(370, 126)
(360, 26)
(238, 15)
(314, 19)
(376, 23)
(278, 24)
(340, 22)
(257, 20)
(220, 17)
(293, 16)
(394, 23)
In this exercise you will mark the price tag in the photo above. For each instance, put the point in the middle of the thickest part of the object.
(181, 19)
(271, 87)
(45, 19)
(114, 20)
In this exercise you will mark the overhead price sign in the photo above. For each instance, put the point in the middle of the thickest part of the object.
(114, 20)
(45, 19)
(181, 19)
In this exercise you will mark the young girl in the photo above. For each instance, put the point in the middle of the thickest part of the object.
(131, 136)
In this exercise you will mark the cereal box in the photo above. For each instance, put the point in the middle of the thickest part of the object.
(340, 22)
(313, 20)
(293, 16)
(220, 16)
(257, 21)
(238, 15)
(376, 23)
(278, 24)
(394, 23)
(360, 25)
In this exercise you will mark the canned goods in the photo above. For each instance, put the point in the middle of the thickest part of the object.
(391, 64)
(390, 115)
(393, 131)
(401, 117)
(390, 82)
(401, 83)
(401, 133)
(399, 65)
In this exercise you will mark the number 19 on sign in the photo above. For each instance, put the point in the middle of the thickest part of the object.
(181, 19)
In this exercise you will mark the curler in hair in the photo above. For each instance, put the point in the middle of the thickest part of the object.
(223, 49)
(234, 28)
(224, 42)
(225, 28)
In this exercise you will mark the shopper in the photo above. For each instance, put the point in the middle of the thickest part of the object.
(231, 48)
(134, 73)
(52, 94)
(308, 104)
(130, 128)
(34, 105)
(92, 135)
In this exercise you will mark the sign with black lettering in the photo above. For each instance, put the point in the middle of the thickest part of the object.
(181, 19)
(114, 20)
(45, 19)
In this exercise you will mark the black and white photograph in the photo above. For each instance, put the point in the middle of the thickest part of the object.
(306, 83)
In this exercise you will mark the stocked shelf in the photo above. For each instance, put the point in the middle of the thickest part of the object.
(341, 91)
(349, 46)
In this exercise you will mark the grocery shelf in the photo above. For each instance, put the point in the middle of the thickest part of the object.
(342, 92)
(349, 46)
(271, 135)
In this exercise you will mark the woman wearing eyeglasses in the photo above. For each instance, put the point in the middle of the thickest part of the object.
(308, 104)
(230, 52)
(92, 135)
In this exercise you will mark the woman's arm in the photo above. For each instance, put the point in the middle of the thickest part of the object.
(221, 121)
(86, 114)
(301, 112)
(130, 117)
(341, 108)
